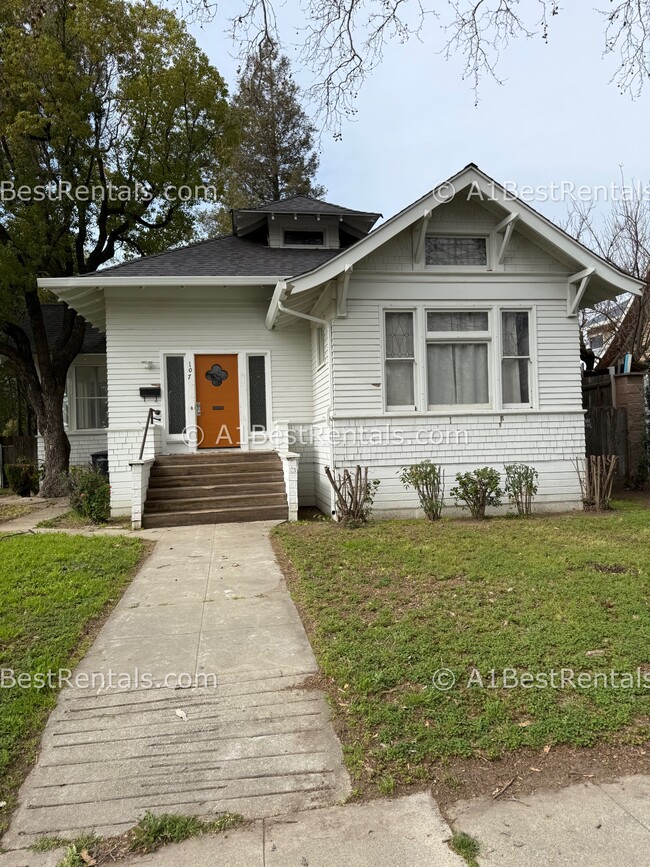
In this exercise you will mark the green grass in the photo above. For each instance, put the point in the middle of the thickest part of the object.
(52, 588)
(72, 520)
(153, 831)
(389, 604)
(466, 846)
(8, 513)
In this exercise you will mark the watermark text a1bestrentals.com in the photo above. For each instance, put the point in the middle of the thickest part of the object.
(102, 680)
(444, 679)
(554, 191)
(65, 191)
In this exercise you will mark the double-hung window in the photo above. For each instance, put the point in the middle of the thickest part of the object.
(515, 357)
(91, 397)
(457, 358)
(400, 359)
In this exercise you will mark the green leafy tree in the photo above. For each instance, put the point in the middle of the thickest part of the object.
(276, 154)
(106, 96)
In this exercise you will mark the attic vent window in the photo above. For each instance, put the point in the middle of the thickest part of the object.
(295, 237)
(456, 251)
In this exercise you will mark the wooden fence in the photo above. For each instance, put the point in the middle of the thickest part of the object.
(606, 434)
(13, 448)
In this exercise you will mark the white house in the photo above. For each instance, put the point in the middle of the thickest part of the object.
(309, 339)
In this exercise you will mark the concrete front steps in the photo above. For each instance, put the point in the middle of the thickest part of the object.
(215, 488)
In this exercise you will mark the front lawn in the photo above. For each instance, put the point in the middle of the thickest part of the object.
(54, 590)
(390, 604)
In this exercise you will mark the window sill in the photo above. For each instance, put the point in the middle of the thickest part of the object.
(80, 431)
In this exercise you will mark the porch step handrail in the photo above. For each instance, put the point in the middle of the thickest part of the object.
(151, 415)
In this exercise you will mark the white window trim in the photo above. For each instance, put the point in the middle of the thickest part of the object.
(320, 334)
(486, 337)
(496, 404)
(416, 360)
(86, 360)
(461, 269)
(532, 349)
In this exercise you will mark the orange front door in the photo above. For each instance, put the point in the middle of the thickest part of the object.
(217, 401)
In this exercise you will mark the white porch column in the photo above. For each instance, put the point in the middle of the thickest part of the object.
(140, 471)
(290, 469)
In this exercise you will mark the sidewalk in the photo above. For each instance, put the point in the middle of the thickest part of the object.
(585, 825)
(209, 600)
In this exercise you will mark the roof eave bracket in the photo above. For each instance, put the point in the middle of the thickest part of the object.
(419, 238)
(507, 226)
(342, 286)
(575, 290)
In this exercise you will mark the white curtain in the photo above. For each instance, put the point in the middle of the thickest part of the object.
(457, 373)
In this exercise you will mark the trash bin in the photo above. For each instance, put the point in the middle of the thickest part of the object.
(100, 462)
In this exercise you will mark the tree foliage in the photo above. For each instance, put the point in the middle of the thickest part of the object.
(106, 109)
(276, 154)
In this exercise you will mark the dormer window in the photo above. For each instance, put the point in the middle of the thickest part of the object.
(303, 238)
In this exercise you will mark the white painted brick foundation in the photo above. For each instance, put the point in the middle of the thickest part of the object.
(82, 445)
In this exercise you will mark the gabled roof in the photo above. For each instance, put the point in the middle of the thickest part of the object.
(604, 280)
(226, 256)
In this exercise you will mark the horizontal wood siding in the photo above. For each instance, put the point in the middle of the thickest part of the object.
(142, 324)
(549, 442)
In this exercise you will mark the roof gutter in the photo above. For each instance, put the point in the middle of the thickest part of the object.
(96, 281)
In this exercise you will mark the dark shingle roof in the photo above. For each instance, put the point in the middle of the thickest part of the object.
(305, 205)
(229, 256)
(94, 340)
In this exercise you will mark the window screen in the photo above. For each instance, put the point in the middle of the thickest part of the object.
(455, 251)
(175, 369)
(257, 391)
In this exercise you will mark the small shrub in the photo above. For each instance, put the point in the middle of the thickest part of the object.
(478, 490)
(596, 476)
(428, 480)
(355, 494)
(521, 487)
(22, 477)
(90, 494)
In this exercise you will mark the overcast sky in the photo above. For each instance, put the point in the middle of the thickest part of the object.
(557, 118)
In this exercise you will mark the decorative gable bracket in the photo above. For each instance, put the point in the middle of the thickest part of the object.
(506, 226)
(576, 288)
(342, 285)
(419, 238)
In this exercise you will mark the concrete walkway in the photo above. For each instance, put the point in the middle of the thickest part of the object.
(586, 825)
(210, 600)
(42, 510)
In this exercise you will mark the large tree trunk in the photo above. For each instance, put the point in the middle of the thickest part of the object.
(56, 444)
(44, 378)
